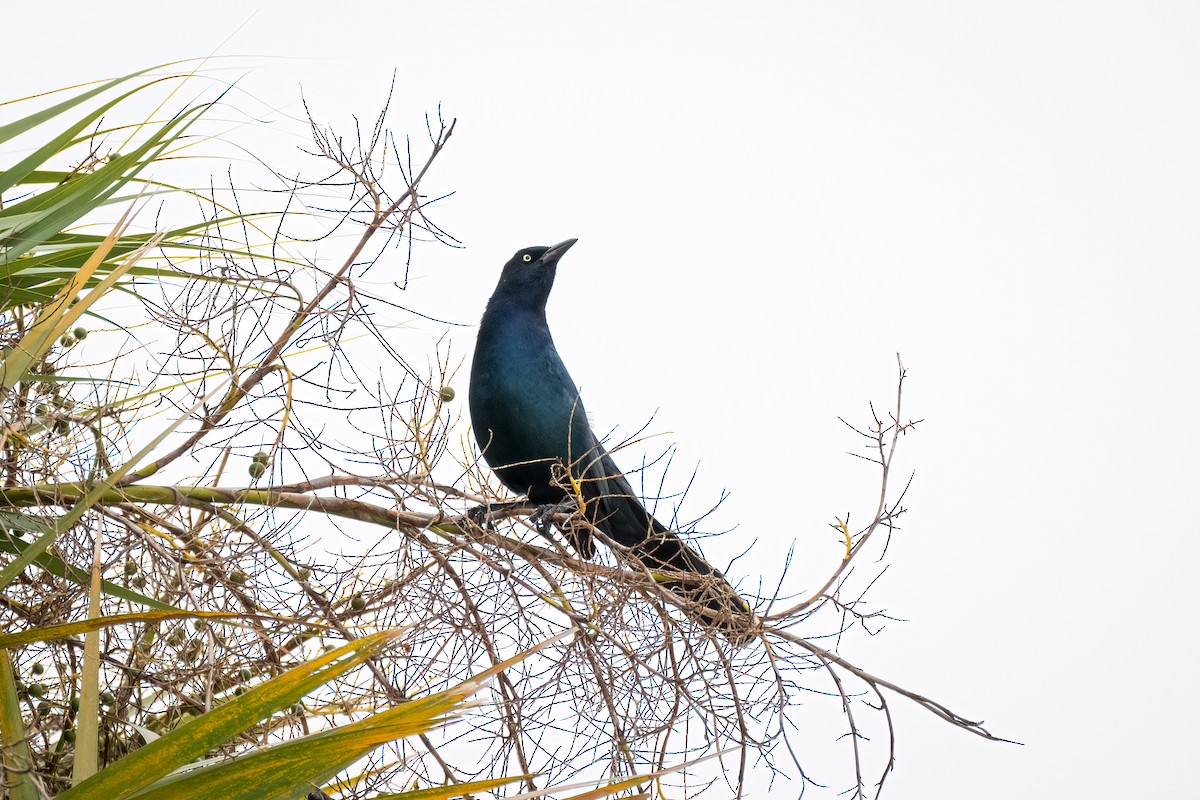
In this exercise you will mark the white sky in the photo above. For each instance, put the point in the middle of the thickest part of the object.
(771, 202)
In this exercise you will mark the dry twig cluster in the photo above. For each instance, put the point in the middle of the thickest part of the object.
(374, 460)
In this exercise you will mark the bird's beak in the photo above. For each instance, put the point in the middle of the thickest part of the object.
(552, 255)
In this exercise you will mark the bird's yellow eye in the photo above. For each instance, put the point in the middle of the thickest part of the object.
(527, 258)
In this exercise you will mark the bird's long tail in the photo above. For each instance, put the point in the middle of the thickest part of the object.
(688, 574)
(615, 510)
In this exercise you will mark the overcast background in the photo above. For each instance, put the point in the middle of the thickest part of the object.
(772, 200)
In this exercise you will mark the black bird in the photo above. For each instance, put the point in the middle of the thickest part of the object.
(532, 428)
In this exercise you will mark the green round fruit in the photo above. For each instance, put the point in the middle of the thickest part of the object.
(358, 602)
(80, 333)
(261, 456)
(257, 469)
(38, 668)
(131, 568)
(36, 690)
(446, 394)
(238, 577)
(68, 735)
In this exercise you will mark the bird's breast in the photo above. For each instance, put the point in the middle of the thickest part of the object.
(524, 406)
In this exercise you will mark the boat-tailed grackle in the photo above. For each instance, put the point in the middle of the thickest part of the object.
(532, 428)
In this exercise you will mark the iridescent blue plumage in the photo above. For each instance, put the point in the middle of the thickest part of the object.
(532, 428)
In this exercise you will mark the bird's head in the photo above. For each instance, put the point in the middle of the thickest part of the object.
(529, 274)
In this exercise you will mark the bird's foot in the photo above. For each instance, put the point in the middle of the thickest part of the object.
(543, 515)
(481, 515)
